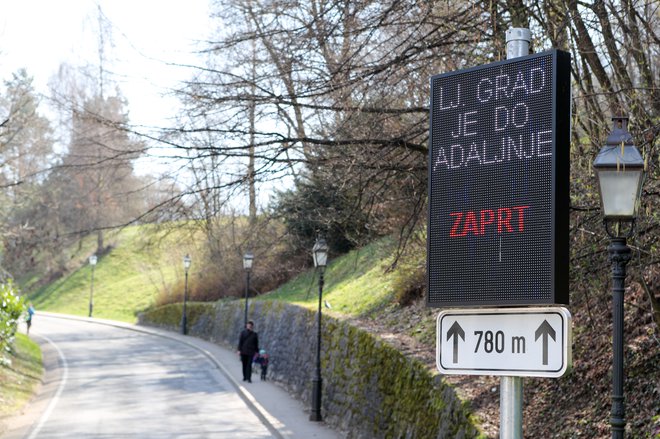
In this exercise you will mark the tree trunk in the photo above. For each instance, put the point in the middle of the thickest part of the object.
(99, 242)
(588, 51)
(655, 301)
(251, 174)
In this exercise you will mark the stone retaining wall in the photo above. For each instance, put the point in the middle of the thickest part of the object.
(370, 390)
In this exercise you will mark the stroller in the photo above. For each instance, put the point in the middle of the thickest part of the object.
(262, 359)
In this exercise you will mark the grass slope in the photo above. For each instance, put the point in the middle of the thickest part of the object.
(19, 379)
(144, 261)
(127, 279)
(354, 284)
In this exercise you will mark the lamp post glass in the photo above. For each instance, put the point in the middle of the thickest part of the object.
(92, 260)
(320, 252)
(247, 261)
(619, 192)
(186, 262)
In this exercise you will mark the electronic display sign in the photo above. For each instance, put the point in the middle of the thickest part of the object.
(499, 183)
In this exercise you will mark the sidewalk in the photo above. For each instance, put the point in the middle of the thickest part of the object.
(280, 412)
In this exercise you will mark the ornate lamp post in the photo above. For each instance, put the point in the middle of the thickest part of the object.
(320, 254)
(184, 317)
(620, 173)
(92, 261)
(248, 258)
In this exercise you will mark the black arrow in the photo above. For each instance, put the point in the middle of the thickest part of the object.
(544, 330)
(456, 331)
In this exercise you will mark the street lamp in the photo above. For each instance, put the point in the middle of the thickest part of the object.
(320, 254)
(247, 266)
(184, 317)
(92, 261)
(620, 173)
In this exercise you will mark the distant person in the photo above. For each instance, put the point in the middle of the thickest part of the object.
(262, 359)
(248, 345)
(28, 317)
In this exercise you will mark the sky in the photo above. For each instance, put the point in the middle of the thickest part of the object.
(146, 37)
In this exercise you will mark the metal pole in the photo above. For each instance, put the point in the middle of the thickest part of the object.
(511, 388)
(184, 317)
(91, 294)
(619, 253)
(317, 381)
(247, 288)
(517, 42)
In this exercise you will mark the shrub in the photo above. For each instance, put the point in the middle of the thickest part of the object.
(322, 205)
(11, 308)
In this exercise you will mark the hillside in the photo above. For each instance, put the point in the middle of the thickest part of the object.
(362, 288)
(141, 264)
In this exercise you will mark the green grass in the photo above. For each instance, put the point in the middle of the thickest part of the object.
(19, 380)
(134, 274)
(127, 279)
(354, 284)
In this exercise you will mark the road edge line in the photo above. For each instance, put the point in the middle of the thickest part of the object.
(53, 402)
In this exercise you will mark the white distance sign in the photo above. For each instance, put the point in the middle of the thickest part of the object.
(534, 342)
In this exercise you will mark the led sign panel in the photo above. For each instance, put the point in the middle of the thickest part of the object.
(499, 183)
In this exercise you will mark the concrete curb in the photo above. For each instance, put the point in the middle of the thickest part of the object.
(269, 422)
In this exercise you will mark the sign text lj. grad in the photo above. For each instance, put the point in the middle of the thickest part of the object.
(514, 137)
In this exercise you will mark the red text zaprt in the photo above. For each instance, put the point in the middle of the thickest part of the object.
(478, 223)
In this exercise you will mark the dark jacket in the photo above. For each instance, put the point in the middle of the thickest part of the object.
(248, 342)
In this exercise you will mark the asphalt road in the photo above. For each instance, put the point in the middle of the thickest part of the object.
(107, 382)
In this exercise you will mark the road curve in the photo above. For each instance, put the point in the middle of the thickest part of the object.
(118, 383)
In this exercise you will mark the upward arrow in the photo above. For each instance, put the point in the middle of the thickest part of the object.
(456, 331)
(545, 330)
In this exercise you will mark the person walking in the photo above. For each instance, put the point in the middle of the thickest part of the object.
(28, 317)
(248, 345)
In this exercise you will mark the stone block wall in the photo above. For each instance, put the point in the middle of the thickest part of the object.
(370, 390)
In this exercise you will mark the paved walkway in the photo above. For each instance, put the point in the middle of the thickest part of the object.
(283, 415)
